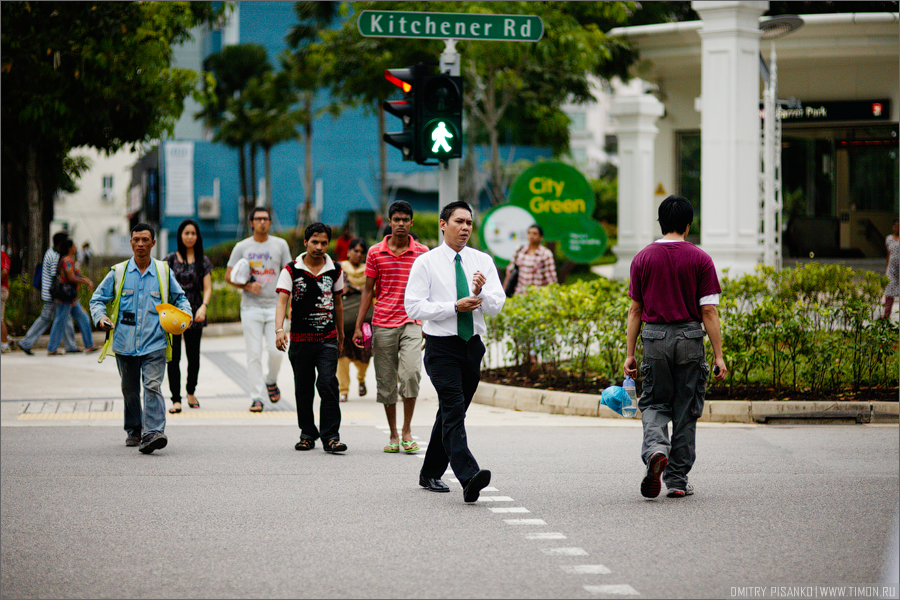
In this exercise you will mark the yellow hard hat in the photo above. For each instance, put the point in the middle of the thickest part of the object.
(173, 319)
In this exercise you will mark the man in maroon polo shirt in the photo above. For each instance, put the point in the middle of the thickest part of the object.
(396, 339)
(674, 288)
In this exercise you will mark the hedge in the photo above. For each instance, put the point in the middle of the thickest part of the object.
(814, 327)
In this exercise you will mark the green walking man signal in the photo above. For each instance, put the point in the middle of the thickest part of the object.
(440, 135)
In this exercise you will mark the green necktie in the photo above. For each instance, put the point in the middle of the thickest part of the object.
(465, 327)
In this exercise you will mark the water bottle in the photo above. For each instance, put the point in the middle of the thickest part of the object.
(631, 409)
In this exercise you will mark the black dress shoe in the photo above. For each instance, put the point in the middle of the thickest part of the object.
(474, 486)
(433, 484)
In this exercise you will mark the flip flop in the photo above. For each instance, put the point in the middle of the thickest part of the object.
(195, 403)
(392, 448)
(410, 446)
(175, 409)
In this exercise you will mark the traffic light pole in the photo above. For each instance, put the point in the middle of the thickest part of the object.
(448, 171)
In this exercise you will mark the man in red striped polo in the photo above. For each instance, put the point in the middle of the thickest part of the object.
(396, 339)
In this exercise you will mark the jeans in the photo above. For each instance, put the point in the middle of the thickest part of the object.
(674, 373)
(308, 359)
(454, 367)
(41, 324)
(192, 350)
(145, 371)
(258, 325)
(63, 311)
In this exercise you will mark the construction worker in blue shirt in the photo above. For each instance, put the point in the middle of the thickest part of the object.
(126, 301)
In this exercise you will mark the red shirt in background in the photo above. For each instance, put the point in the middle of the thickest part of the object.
(341, 248)
(391, 273)
(6, 265)
(669, 278)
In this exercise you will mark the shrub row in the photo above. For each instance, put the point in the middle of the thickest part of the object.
(814, 327)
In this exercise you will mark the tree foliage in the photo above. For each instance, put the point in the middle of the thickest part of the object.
(76, 74)
(528, 81)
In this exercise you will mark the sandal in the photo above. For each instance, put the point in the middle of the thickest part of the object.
(305, 444)
(92, 349)
(362, 389)
(195, 403)
(274, 392)
(176, 408)
(392, 448)
(257, 406)
(333, 446)
(410, 446)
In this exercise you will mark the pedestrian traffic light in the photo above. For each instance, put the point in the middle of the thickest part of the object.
(439, 123)
(407, 80)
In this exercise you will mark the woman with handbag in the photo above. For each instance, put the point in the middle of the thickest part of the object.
(64, 290)
(354, 281)
(191, 269)
(531, 265)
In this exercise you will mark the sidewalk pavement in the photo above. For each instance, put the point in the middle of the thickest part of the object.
(76, 390)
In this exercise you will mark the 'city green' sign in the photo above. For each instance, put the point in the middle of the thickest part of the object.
(460, 26)
(557, 197)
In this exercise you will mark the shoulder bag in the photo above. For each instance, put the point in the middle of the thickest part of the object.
(65, 292)
(513, 277)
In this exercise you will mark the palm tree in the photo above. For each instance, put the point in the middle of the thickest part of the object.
(272, 119)
(228, 108)
(305, 68)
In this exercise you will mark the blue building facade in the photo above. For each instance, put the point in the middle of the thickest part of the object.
(345, 154)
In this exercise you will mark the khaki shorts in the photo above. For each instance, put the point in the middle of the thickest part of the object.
(397, 355)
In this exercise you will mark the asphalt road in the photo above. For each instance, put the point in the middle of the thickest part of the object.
(230, 510)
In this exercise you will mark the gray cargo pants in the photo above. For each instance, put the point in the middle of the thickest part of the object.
(674, 374)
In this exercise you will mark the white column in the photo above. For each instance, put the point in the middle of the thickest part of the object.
(729, 228)
(636, 132)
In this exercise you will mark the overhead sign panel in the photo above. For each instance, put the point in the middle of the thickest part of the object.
(460, 26)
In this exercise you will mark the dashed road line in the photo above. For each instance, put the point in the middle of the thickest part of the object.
(546, 535)
(513, 509)
(525, 521)
(565, 551)
(612, 589)
(585, 569)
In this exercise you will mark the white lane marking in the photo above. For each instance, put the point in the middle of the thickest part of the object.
(490, 489)
(515, 509)
(585, 569)
(526, 521)
(564, 551)
(545, 536)
(495, 499)
(620, 590)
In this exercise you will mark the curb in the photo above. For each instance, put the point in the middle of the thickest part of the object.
(714, 411)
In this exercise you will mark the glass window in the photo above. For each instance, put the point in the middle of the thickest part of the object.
(687, 148)
(578, 121)
(873, 177)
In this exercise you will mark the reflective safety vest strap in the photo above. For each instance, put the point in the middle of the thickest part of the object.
(112, 309)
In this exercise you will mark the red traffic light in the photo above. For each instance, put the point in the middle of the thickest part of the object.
(402, 78)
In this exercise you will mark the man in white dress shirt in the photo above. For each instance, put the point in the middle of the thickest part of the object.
(450, 289)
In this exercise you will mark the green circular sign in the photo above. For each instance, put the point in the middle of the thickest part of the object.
(561, 201)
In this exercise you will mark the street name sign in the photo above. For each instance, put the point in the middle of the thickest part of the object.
(460, 26)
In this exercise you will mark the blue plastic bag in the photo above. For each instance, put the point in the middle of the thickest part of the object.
(614, 397)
